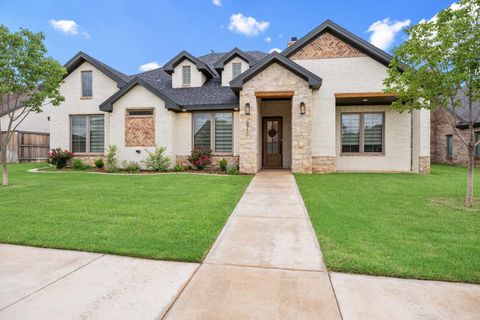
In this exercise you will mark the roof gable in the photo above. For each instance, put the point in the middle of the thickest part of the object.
(235, 52)
(345, 36)
(201, 66)
(107, 105)
(81, 57)
(313, 80)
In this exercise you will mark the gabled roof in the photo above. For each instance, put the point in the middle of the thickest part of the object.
(107, 105)
(313, 80)
(120, 78)
(343, 34)
(201, 66)
(235, 52)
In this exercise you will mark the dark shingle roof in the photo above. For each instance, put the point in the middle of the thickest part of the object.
(461, 109)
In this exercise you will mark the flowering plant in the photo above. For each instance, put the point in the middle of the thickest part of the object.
(200, 158)
(59, 158)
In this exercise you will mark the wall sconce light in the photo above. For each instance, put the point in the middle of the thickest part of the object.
(302, 108)
(247, 109)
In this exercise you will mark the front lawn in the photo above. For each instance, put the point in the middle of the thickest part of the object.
(402, 225)
(172, 216)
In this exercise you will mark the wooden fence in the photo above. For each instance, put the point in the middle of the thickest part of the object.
(28, 147)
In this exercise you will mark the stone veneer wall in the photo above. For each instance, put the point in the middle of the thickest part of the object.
(323, 164)
(424, 165)
(183, 161)
(275, 78)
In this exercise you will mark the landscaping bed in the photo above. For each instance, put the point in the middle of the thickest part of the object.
(402, 225)
(164, 216)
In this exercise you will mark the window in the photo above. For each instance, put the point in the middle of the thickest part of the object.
(449, 146)
(88, 134)
(362, 133)
(186, 75)
(477, 148)
(140, 112)
(87, 84)
(213, 131)
(236, 69)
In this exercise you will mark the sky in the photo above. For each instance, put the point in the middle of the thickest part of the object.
(135, 36)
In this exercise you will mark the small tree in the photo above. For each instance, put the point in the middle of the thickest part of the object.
(440, 59)
(28, 79)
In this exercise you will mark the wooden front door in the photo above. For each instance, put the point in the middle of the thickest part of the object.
(272, 142)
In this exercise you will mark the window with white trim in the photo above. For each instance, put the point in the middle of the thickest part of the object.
(186, 75)
(362, 133)
(236, 69)
(87, 133)
(213, 130)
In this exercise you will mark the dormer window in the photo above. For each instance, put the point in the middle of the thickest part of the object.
(236, 69)
(186, 76)
(87, 84)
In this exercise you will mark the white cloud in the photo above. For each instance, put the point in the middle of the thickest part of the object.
(275, 49)
(218, 3)
(248, 26)
(68, 27)
(268, 39)
(149, 66)
(384, 32)
(454, 6)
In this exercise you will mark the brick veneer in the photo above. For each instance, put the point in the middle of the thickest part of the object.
(139, 131)
(326, 45)
(440, 128)
(323, 164)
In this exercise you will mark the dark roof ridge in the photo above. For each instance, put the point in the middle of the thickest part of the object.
(201, 66)
(220, 64)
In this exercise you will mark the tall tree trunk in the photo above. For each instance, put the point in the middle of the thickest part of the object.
(471, 167)
(4, 168)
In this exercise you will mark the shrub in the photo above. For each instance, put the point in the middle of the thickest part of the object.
(223, 164)
(157, 160)
(79, 165)
(200, 158)
(133, 167)
(112, 158)
(99, 163)
(232, 169)
(178, 168)
(59, 158)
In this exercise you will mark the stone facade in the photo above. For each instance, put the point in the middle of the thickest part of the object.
(139, 131)
(326, 45)
(183, 161)
(275, 78)
(440, 128)
(424, 165)
(323, 164)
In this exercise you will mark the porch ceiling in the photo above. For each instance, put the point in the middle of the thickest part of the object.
(364, 98)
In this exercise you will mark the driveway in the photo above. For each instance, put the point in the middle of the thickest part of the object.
(266, 264)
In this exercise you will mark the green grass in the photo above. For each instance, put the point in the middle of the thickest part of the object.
(402, 225)
(173, 217)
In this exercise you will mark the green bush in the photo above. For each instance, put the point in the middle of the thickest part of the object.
(133, 167)
(223, 164)
(178, 168)
(78, 164)
(112, 158)
(99, 163)
(232, 169)
(157, 160)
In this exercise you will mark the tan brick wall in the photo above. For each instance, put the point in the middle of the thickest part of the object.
(326, 45)
(323, 164)
(139, 131)
(440, 128)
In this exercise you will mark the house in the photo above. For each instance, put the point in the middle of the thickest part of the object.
(30, 140)
(318, 106)
(446, 146)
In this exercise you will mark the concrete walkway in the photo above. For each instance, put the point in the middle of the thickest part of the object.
(266, 264)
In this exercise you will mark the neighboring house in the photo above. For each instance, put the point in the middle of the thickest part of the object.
(30, 141)
(446, 146)
(316, 107)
